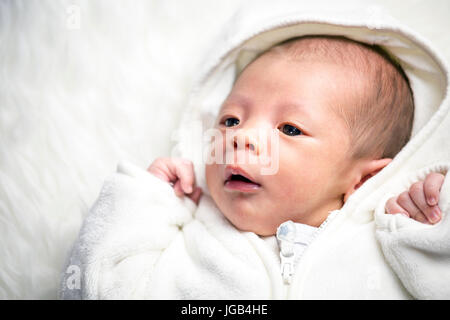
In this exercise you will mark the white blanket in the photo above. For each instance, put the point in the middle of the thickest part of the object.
(140, 241)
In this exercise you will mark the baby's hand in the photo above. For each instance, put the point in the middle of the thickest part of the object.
(179, 173)
(420, 201)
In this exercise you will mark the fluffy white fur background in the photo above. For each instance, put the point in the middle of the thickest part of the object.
(86, 83)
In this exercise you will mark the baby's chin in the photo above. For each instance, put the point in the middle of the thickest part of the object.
(247, 219)
(246, 212)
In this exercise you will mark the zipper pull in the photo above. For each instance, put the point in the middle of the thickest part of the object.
(286, 237)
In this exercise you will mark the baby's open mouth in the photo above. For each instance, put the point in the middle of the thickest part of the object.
(237, 179)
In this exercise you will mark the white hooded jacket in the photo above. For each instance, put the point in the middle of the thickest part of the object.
(141, 241)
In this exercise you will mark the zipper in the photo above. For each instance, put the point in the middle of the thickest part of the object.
(286, 233)
(289, 258)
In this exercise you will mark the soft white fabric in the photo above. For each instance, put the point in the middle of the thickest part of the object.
(140, 241)
(418, 253)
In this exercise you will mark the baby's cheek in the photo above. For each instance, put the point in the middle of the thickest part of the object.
(299, 185)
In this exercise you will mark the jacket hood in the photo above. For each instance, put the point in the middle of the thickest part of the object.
(255, 29)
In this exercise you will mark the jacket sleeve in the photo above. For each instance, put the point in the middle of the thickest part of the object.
(418, 253)
(133, 220)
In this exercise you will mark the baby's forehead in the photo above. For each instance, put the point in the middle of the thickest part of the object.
(336, 50)
(360, 62)
(357, 60)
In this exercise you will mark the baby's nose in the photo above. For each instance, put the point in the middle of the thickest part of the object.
(245, 141)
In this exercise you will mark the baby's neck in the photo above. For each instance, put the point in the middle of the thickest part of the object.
(316, 218)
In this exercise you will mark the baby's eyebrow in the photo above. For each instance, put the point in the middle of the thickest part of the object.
(242, 100)
(294, 107)
(290, 106)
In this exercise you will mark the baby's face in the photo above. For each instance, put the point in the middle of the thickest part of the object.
(295, 100)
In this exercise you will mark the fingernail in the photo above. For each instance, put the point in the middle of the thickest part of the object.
(435, 215)
(432, 201)
(189, 189)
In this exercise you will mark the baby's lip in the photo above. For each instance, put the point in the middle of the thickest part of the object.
(236, 170)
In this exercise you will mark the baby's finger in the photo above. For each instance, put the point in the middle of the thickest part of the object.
(162, 170)
(185, 173)
(416, 191)
(432, 186)
(196, 194)
(405, 201)
(392, 207)
(177, 188)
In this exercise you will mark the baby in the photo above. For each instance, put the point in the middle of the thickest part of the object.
(342, 111)
(334, 112)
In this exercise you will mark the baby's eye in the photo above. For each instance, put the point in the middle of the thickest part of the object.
(230, 122)
(290, 130)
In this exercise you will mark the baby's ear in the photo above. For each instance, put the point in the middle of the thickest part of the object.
(365, 170)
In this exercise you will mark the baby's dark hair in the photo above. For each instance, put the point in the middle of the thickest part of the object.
(381, 120)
